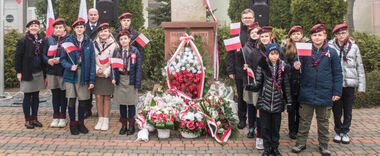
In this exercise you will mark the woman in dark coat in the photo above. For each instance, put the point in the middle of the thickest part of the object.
(29, 68)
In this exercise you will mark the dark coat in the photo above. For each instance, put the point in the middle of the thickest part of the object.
(91, 33)
(135, 34)
(253, 57)
(135, 69)
(235, 60)
(294, 74)
(272, 100)
(24, 57)
(57, 69)
(318, 85)
(87, 65)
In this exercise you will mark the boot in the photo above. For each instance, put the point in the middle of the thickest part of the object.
(131, 129)
(105, 124)
(242, 124)
(82, 128)
(124, 123)
(74, 128)
(29, 125)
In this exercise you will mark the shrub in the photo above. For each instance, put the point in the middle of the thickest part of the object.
(10, 42)
(369, 46)
(371, 97)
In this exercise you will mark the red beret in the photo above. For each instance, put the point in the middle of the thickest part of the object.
(125, 15)
(265, 29)
(339, 27)
(59, 21)
(253, 26)
(80, 21)
(103, 26)
(33, 22)
(317, 28)
(123, 33)
(296, 28)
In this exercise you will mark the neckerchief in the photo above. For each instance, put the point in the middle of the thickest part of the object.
(316, 60)
(36, 42)
(103, 48)
(344, 52)
(280, 68)
(126, 56)
(79, 45)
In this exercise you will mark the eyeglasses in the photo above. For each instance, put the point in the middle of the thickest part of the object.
(248, 18)
(343, 33)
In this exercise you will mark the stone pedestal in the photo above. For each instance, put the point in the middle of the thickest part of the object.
(174, 30)
(188, 10)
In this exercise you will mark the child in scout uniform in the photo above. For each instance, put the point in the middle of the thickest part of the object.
(128, 81)
(290, 52)
(30, 74)
(125, 25)
(273, 81)
(79, 74)
(252, 58)
(353, 77)
(320, 85)
(52, 52)
(105, 45)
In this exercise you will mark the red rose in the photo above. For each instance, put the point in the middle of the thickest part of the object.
(182, 123)
(199, 125)
(190, 125)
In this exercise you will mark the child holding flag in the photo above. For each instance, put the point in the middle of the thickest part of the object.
(105, 45)
(52, 52)
(273, 81)
(30, 71)
(127, 80)
(353, 76)
(79, 75)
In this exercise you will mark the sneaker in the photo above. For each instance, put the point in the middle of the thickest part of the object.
(251, 133)
(345, 139)
(259, 144)
(62, 123)
(337, 138)
(324, 150)
(105, 124)
(99, 124)
(298, 148)
(54, 123)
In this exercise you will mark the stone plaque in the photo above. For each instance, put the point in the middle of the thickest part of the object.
(188, 10)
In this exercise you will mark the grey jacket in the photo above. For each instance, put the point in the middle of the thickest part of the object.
(352, 69)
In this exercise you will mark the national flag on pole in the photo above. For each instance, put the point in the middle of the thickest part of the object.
(104, 59)
(83, 10)
(142, 40)
(117, 63)
(250, 72)
(19, 1)
(234, 28)
(49, 19)
(232, 43)
(52, 50)
(69, 47)
(304, 49)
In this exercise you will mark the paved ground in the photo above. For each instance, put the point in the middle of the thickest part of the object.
(15, 139)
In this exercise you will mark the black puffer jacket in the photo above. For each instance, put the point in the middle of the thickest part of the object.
(272, 100)
(294, 75)
(253, 58)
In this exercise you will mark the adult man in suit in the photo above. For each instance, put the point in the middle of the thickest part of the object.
(93, 23)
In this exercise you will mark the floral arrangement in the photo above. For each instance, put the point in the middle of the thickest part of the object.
(192, 120)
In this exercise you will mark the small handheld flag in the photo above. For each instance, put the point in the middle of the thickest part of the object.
(304, 49)
(52, 50)
(142, 40)
(69, 47)
(117, 63)
(234, 28)
(232, 43)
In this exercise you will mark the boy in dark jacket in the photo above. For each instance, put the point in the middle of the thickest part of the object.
(273, 81)
(320, 85)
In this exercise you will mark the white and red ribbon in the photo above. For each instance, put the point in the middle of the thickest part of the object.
(216, 47)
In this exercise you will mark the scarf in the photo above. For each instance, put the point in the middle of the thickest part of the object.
(36, 42)
(344, 52)
(317, 59)
(275, 74)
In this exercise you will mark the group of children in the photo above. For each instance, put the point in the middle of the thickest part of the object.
(301, 84)
(73, 65)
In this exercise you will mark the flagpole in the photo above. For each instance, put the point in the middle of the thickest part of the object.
(2, 50)
(245, 61)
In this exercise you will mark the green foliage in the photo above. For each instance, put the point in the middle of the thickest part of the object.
(136, 8)
(161, 13)
(279, 14)
(308, 13)
(371, 97)
(369, 46)
(10, 42)
(223, 33)
(235, 8)
(280, 34)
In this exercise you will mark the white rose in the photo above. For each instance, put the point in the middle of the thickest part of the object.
(199, 116)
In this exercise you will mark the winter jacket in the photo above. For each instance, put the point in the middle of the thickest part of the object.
(135, 68)
(87, 64)
(52, 40)
(352, 69)
(253, 58)
(103, 54)
(235, 60)
(294, 75)
(25, 57)
(272, 98)
(135, 34)
(320, 83)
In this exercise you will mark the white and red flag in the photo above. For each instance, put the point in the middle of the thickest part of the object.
(69, 47)
(52, 50)
(304, 49)
(142, 40)
(250, 72)
(104, 59)
(232, 43)
(49, 19)
(83, 10)
(117, 63)
(234, 28)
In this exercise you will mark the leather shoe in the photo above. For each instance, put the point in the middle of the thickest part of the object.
(36, 123)
(123, 130)
(29, 125)
(131, 130)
